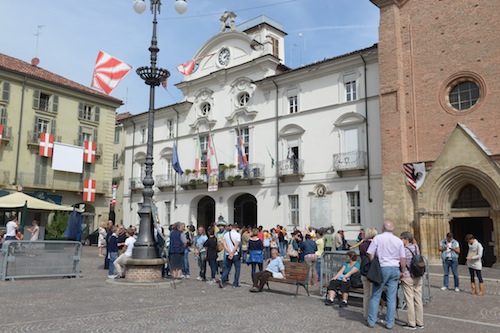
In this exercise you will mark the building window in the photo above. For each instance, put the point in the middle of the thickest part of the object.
(294, 209)
(115, 161)
(3, 115)
(354, 207)
(86, 134)
(350, 91)
(144, 134)
(4, 91)
(204, 149)
(168, 212)
(205, 109)
(243, 99)
(293, 105)
(88, 112)
(245, 137)
(276, 47)
(42, 126)
(464, 95)
(117, 134)
(169, 169)
(170, 128)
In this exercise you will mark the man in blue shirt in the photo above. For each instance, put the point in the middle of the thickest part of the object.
(201, 252)
(275, 268)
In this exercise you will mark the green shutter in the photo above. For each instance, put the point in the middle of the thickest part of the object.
(6, 91)
(36, 133)
(97, 113)
(55, 103)
(94, 137)
(3, 116)
(36, 99)
(80, 136)
(53, 127)
(80, 110)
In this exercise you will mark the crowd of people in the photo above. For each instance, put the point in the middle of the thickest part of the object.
(224, 248)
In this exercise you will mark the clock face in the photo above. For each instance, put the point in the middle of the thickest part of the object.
(224, 55)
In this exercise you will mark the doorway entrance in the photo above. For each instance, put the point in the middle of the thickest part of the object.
(206, 212)
(471, 216)
(245, 210)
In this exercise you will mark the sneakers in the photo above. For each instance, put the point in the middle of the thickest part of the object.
(111, 276)
(199, 278)
(343, 304)
(420, 326)
(329, 301)
(235, 287)
(182, 276)
(408, 327)
(444, 288)
(188, 276)
(254, 290)
(457, 289)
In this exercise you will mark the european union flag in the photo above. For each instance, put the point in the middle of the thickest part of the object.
(175, 161)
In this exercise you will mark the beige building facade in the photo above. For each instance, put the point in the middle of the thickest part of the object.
(439, 71)
(34, 101)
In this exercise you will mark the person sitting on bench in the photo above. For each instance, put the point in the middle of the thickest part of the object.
(275, 268)
(343, 279)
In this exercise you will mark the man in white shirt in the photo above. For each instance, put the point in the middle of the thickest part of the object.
(11, 229)
(129, 246)
(232, 240)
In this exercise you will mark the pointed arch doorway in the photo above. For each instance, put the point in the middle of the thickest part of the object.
(471, 215)
(205, 212)
(245, 210)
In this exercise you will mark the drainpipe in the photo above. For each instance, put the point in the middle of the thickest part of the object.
(132, 168)
(277, 147)
(176, 142)
(367, 141)
(19, 132)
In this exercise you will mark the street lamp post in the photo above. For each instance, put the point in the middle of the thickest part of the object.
(153, 76)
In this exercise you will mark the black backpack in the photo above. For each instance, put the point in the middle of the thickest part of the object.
(417, 264)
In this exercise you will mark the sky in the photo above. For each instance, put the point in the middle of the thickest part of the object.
(66, 35)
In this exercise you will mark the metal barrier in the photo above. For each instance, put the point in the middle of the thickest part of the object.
(332, 261)
(26, 259)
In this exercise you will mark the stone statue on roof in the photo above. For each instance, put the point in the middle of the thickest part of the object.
(227, 21)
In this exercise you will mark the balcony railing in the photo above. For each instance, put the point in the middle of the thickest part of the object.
(62, 182)
(291, 167)
(354, 160)
(254, 171)
(7, 134)
(164, 181)
(34, 138)
(192, 179)
(136, 183)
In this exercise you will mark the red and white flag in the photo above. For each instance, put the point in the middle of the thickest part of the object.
(212, 166)
(89, 151)
(108, 72)
(415, 174)
(46, 144)
(113, 199)
(89, 190)
(1, 133)
(186, 68)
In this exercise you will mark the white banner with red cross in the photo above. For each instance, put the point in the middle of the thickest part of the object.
(46, 144)
(89, 186)
(89, 151)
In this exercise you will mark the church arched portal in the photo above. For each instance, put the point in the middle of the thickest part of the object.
(245, 210)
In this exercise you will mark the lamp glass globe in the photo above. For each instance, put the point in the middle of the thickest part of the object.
(181, 6)
(139, 6)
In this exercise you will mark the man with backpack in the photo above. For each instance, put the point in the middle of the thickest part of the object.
(412, 283)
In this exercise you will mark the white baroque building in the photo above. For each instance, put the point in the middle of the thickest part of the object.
(311, 136)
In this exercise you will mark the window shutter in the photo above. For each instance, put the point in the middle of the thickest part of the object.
(36, 133)
(55, 103)
(6, 91)
(80, 135)
(3, 116)
(53, 127)
(36, 99)
(80, 110)
(94, 136)
(97, 113)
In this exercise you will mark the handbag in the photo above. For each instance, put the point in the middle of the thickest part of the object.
(291, 251)
(375, 272)
(277, 275)
(219, 247)
(356, 280)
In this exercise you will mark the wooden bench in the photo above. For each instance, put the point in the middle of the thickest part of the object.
(296, 273)
(353, 292)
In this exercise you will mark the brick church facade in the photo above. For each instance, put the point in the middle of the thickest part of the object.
(439, 78)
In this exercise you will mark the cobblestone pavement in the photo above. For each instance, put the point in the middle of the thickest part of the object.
(90, 304)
